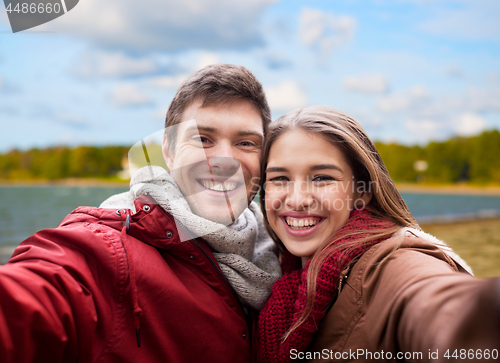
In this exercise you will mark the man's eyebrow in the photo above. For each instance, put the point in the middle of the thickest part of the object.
(326, 166)
(201, 128)
(214, 130)
(250, 133)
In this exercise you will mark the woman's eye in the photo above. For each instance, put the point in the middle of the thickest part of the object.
(278, 179)
(323, 178)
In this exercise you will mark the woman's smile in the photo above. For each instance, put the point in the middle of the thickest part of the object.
(300, 225)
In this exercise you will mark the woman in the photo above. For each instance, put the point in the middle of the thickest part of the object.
(361, 280)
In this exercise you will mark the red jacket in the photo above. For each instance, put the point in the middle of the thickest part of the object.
(92, 291)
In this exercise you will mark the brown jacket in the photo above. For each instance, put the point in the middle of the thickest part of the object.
(407, 296)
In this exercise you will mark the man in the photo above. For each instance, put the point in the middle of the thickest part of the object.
(168, 272)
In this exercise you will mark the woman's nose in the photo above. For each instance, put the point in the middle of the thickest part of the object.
(299, 197)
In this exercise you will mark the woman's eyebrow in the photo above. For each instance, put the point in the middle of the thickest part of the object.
(276, 169)
(314, 167)
(326, 166)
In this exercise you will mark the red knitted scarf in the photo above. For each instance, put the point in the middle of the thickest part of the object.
(289, 294)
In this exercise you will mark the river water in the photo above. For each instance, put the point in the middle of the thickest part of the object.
(26, 210)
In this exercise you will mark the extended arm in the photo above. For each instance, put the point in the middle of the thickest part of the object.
(420, 302)
(50, 298)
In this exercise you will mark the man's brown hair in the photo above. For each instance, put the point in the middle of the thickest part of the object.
(214, 85)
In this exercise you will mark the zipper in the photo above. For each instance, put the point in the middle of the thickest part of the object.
(227, 286)
(215, 265)
(244, 309)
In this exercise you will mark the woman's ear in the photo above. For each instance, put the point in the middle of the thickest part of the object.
(366, 197)
(167, 155)
(362, 199)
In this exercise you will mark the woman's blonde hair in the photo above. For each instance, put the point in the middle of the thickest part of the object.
(368, 168)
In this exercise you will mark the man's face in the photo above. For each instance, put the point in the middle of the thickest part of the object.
(216, 160)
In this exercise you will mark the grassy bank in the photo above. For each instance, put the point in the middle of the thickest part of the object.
(477, 242)
(458, 188)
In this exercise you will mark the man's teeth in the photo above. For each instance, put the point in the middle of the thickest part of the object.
(220, 186)
(301, 223)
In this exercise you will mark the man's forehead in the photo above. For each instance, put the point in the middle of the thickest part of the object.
(209, 126)
(206, 114)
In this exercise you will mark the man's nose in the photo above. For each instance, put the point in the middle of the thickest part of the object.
(223, 165)
(221, 159)
(299, 196)
(223, 149)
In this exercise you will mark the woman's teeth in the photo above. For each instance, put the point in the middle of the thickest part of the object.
(301, 223)
(219, 187)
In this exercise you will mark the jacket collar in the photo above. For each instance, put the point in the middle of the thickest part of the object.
(150, 223)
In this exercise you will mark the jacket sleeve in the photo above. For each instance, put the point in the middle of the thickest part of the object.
(49, 299)
(417, 299)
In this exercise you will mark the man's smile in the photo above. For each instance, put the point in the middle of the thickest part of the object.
(219, 186)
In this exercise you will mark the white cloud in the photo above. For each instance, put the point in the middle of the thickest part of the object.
(170, 82)
(455, 71)
(114, 64)
(482, 99)
(424, 130)
(470, 124)
(418, 92)
(4, 20)
(159, 113)
(323, 30)
(164, 24)
(406, 100)
(394, 103)
(286, 96)
(366, 84)
(422, 126)
(206, 59)
(471, 20)
(127, 94)
(367, 117)
(72, 120)
(174, 81)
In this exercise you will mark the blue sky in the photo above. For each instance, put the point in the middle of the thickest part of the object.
(409, 71)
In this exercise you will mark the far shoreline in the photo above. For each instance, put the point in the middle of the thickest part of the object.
(460, 189)
(70, 182)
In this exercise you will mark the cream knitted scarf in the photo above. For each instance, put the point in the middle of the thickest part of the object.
(246, 254)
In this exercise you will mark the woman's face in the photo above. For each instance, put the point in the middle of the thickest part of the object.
(310, 191)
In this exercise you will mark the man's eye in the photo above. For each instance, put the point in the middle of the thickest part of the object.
(201, 139)
(247, 143)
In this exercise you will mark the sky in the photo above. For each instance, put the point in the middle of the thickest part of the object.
(104, 73)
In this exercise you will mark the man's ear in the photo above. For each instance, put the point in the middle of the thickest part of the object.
(169, 159)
